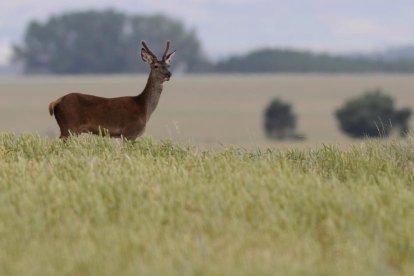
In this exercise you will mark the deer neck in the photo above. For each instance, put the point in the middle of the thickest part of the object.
(151, 95)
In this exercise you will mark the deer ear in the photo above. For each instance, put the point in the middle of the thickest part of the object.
(146, 56)
(169, 57)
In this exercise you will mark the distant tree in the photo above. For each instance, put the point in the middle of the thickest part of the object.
(401, 118)
(288, 60)
(104, 42)
(279, 120)
(373, 114)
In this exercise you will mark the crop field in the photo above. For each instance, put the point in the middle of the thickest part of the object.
(206, 110)
(98, 206)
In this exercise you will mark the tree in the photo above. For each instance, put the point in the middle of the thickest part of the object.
(373, 114)
(279, 120)
(401, 118)
(104, 42)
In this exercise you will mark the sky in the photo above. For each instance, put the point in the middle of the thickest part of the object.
(236, 26)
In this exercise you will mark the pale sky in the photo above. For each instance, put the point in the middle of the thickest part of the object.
(237, 26)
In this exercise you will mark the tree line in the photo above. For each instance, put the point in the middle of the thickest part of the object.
(295, 61)
(106, 42)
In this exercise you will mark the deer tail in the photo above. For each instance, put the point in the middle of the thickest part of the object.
(52, 106)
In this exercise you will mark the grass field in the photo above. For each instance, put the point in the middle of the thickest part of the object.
(96, 206)
(206, 110)
(100, 206)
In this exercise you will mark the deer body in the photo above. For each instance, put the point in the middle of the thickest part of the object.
(121, 117)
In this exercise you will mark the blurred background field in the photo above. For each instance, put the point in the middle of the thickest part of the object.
(206, 110)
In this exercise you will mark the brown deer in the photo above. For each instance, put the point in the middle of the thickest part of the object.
(125, 117)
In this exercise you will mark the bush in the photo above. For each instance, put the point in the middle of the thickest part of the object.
(373, 114)
(280, 122)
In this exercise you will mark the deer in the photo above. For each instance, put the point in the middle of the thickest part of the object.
(121, 117)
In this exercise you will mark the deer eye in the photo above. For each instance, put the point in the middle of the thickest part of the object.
(156, 66)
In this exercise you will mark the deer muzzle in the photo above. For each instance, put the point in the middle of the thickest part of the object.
(167, 76)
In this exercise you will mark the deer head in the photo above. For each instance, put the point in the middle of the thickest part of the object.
(159, 68)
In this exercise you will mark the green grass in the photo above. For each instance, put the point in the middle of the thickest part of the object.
(96, 206)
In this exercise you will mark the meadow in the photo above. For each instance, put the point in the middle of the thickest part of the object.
(206, 110)
(204, 192)
(98, 206)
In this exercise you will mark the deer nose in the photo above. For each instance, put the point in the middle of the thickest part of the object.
(169, 74)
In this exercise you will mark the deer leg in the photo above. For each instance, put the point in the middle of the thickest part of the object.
(64, 134)
(129, 135)
(126, 137)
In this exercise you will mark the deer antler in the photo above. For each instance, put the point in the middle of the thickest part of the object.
(167, 47)
(148, 50)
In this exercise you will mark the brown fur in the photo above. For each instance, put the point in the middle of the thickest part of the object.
(121, 117)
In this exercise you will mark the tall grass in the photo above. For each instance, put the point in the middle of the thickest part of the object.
(96, 206)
